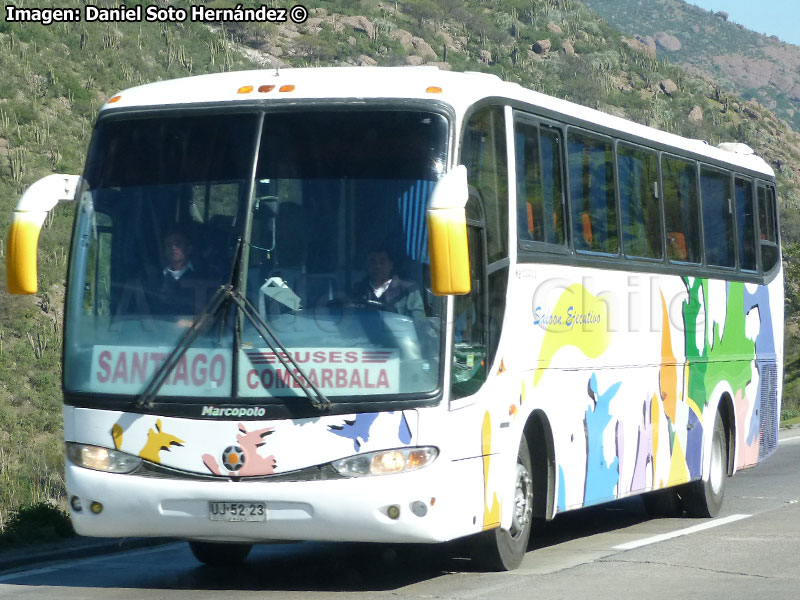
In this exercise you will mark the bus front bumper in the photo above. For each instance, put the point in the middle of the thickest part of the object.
(430, 505)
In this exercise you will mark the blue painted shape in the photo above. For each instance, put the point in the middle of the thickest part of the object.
(765, 341)
(356, 429)
(694, 446)
(562, 493)
(601, 478)
(404, 431)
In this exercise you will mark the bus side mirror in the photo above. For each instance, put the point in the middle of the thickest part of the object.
(22, 241)
(447, 234)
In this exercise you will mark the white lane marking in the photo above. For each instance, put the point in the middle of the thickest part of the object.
(789, 439)
(668, 536)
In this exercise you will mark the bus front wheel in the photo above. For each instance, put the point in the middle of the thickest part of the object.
(703, 498)
(503, 549)
(220, 555)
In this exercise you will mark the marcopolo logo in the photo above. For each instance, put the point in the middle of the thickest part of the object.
(209, 410)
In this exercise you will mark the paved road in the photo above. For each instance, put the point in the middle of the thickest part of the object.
(750, 550)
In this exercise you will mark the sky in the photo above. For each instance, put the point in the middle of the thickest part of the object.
(772, 17)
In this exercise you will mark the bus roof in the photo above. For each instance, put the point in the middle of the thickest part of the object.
(460, 90)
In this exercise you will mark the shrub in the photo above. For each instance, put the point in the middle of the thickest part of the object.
(36, 523)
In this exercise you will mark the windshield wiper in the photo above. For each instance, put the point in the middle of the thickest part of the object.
(218, 303)
(315, 396)
(204, 320)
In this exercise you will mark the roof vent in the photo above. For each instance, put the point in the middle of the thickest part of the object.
(736, 148)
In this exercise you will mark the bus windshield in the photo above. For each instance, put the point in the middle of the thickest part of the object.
(319, 221)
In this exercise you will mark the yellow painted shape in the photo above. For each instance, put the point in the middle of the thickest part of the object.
(655, 412)
(491, 514)
(158, 440)
(678, 471)
(668, 375)
(449, 254)
(116, 435)
(22, 243)
(592, 338)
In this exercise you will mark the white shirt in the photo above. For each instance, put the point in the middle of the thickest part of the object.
(178, 274)
(378, 291)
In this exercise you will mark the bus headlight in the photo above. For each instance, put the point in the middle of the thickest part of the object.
(386, 462)
(101, 459)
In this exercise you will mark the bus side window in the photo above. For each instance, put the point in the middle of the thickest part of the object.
(637, 173)
(768, 228)
(679, 181)
(715, 194)
(469, 323)
(540, 198)
(484, 154)
(745, 224)
(592, 193)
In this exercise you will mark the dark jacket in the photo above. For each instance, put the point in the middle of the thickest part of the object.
(402, 297)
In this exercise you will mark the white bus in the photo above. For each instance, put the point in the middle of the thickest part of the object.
(403, 305)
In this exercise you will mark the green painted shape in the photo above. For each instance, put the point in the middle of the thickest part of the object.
(721, 357)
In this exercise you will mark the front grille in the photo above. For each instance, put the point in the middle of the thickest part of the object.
(316, 473)
(768, 405)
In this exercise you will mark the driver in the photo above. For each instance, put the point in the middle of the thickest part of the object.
(383, 289)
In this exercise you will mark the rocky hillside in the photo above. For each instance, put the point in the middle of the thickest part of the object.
(753, 66)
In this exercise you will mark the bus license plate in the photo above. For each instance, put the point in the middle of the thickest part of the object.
(237, 511)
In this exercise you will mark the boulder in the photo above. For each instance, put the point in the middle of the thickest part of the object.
(667, 42)
(668, 86)
(485, 56)
(413, 45)
(649, 43)
(568, 48)
(541, 47)
(358, 24)
(696, 115)
(640, 46)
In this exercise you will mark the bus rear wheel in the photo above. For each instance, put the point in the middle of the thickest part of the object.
(503, 549)
(219, 554)
(703, 498)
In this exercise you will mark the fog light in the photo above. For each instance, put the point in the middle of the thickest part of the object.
(96, 507)
(419, 508)
(393, 511)
(75, 503)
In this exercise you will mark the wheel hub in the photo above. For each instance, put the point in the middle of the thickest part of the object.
(523, 502)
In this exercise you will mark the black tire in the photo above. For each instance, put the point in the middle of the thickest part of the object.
(703, 498)
(219, 554)
(503, 549)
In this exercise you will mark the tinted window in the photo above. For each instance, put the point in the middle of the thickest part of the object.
(540, 199)
(592, 195)
(484, 155)
(768, 228)
(745, 224)
(717, 217)
(641, 212)
(679, 180)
